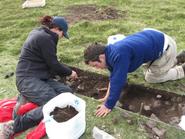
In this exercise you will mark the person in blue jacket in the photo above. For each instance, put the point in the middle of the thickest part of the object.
(152, 47)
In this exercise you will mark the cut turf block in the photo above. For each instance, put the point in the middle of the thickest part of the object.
(33, 3)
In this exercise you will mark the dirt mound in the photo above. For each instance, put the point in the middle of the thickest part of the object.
(63, 114)
(92, 12)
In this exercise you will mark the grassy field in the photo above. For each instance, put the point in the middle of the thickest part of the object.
(165, 15)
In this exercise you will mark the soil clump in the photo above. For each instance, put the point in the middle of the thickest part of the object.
(92, 12)
(63, 114)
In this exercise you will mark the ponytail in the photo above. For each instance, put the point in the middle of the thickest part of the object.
(47, 21)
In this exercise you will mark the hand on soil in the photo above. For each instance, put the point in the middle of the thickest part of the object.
(102, 111)
(73, 75)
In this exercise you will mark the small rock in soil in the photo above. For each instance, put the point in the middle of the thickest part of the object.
(180, 107)
(153, 116)
(179, 99)
(151, 124)
(167, 103)
(173, 108)
(155, 137)
(131, 108)
(125, 114)
(118, 104)
(183, 110)
(130, 122)
(81, 87)
(147, 108)
(156, 104)
(174, 120)
(159, 96)
(159, 132)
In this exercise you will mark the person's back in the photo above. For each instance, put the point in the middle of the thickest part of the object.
(32, 61)
(138, 48)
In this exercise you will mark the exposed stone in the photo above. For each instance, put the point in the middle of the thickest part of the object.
(81, 87)
(180, 107)
(131, 108)
(147, 108)
(153, 116)
(151, 124)
(101, 134)
(174, 120)
(179, 99)
(183, 110)
(159, 96)
(167, 103)
(125, 114)
(159, 132)
(173, 108)
(156, 104)
(155, 137)
(118, 104)
(130, 122)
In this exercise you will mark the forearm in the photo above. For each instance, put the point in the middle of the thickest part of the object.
(108, 92)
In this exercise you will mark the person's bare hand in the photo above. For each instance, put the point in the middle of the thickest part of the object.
(73, 75)
(102, 111)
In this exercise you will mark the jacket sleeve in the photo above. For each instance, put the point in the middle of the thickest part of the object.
(48, 51)
(118, 78)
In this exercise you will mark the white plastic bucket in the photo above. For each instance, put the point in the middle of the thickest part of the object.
(115, 38)
(71, 129)
(182, 122)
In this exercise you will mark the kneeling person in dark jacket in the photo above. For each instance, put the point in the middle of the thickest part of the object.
(37, 61)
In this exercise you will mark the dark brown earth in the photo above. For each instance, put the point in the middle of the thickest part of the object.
(92, 12)
(157, 104)
(63, 114)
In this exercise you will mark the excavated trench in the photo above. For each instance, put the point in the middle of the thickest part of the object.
(158, 104)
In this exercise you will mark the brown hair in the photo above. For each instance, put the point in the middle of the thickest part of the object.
(93, 51)
(47, 21)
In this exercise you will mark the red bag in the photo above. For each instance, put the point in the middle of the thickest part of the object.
(6, 109)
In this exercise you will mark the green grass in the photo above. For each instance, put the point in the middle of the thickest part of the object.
(165, 15)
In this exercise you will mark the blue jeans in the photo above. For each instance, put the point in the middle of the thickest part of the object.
(39, 92)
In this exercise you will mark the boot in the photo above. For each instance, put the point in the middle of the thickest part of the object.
(6, 130)
(181, 57)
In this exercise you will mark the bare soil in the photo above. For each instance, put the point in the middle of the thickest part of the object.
(92, 12)
(63, 114)
(157, 104)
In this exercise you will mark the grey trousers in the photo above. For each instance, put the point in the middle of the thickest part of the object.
(165, 68)
(39, 92)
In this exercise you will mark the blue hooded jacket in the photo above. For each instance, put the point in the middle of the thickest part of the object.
(127, 55)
